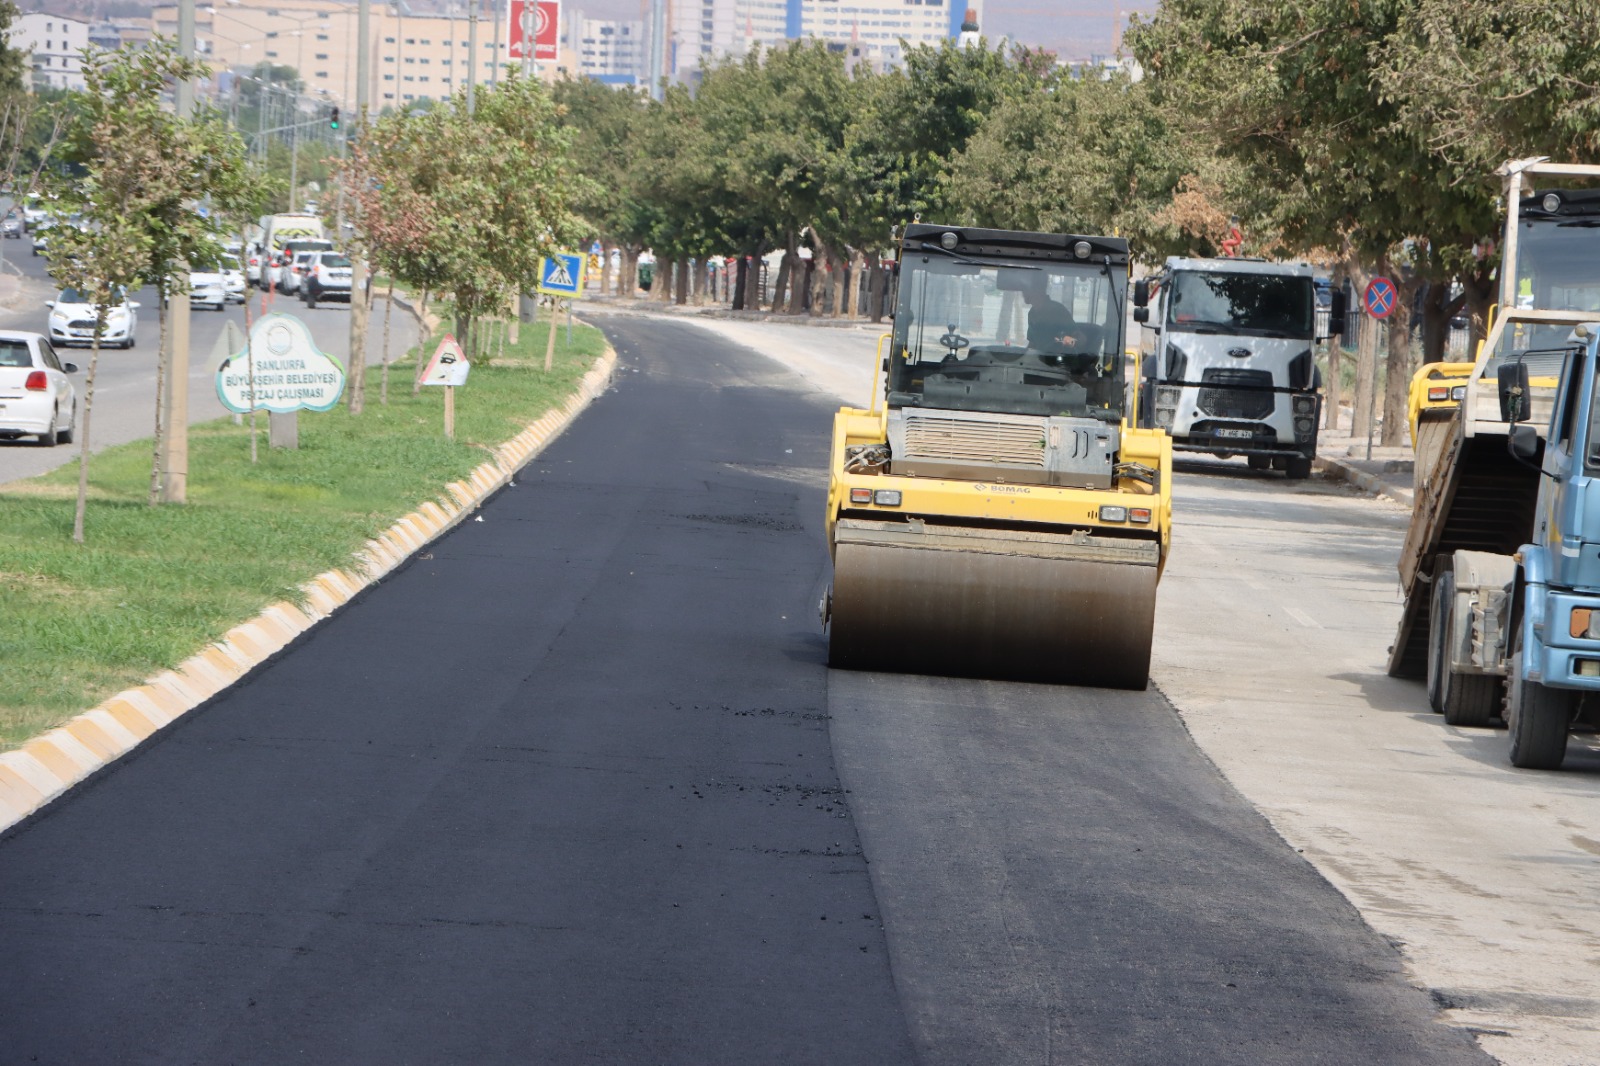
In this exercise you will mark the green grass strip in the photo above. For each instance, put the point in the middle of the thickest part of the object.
(153, 585)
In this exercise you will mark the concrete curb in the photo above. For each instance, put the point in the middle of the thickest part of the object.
(1343, 471)
(50, 764)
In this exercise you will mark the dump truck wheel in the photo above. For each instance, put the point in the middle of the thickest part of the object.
(1259, 462)
(1539, 718)
(1297, 468)
(1463, 699)
(1436, 644)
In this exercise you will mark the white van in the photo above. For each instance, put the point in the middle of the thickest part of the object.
(278, 230)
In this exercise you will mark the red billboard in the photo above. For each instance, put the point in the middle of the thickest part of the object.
(538, 21)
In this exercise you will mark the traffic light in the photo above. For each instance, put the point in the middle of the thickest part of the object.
(333, 119)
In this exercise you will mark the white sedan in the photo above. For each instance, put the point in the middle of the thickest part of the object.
(37, 398)
(208, 288)
(72, 320)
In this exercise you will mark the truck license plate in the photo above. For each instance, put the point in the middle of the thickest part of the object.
(1240, 433)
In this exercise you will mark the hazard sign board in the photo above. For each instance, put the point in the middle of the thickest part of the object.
(449, 364)
(561, 274)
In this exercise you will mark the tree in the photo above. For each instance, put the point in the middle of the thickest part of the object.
(468, 204)
(1292, 90)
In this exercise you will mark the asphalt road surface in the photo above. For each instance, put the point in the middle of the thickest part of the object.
(576, 786)
(124, 405)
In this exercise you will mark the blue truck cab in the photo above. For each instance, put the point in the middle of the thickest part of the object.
(1554, 657)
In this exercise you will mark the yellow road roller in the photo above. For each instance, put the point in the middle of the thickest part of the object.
(995, 513)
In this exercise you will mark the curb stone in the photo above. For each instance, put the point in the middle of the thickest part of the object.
(52, 763)
(1342, 471)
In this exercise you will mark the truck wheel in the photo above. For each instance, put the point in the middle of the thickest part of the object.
(1539, 718)
(1298, 467)
(1463, 699)
(1259, 462)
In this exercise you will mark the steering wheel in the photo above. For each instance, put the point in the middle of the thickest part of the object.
(953, 340)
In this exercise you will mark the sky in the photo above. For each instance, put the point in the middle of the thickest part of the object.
(1075, 29)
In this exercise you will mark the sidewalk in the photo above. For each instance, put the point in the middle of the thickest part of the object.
(1381, 471)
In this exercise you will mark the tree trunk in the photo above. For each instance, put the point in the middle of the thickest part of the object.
(360, 304)
(1437, 310)
(1480, 291)
(605, 269)
(785, 273)
(858, 275)
(161, 394)
(422, 342)
(680, 282)
(878, 291)
(628, 276)
(817, 282)
(1399, 366)
(83, 430)
(383, 386)
(752, 282)
(698, 282)
(741, 271)
(1333, 382)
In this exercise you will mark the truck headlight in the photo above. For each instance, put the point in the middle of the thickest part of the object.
(1163, 416)
(1168, 397)
(1304, 405)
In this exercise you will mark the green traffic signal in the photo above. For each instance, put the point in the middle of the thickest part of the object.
(333, 119)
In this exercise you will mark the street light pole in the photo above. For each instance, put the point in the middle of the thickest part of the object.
(472, 56)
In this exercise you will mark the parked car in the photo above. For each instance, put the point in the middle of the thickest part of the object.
(72, 320)
(37, 397)
(33, 213)
(232, 271)
(207, 289)
(41, 232)
(327, 277)
(12, 225)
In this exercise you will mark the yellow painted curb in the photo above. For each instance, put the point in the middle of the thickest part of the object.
(53, 762)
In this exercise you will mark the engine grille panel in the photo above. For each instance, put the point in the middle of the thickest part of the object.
(1225, 398)
(966, 440)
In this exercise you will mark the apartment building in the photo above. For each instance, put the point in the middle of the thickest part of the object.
(413, 57)
(56, 44)
(610, 51)
(706, 31)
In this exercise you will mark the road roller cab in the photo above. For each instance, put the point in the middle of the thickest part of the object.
(994, 512)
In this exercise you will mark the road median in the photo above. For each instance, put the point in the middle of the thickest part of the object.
(143, 623)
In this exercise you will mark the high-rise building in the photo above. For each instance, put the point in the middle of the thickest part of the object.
(610, 51)
(707, 31)
(56, 45)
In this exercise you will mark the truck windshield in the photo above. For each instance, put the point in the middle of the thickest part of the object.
(1557, 269)
(1037, 339)
(1267, 305)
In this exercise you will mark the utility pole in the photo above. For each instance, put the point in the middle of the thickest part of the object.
(472, 56)
(360, 302)
(175, 441)
(494, 68)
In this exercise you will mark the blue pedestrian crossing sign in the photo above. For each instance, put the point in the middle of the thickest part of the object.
(561, 275)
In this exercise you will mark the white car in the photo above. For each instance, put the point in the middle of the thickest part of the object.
(232, 268)
(37, 397)
(207, 288)
(72, 320)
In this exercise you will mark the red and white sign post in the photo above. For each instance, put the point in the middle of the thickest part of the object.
(538, 21)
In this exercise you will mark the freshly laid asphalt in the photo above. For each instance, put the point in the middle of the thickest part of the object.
(576, 786)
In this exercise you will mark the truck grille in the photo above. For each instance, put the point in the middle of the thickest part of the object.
(970, 440)
(1234, 393)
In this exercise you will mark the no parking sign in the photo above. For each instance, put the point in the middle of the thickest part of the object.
(1380, 297)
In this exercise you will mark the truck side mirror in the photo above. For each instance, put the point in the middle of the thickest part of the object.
(1141, 298)
(1141, 314)
(1513, 381)
(1523, 442)
(1337, 310)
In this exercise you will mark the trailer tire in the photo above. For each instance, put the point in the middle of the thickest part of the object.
(1539, 718)
(1297, 467)
(1463, 699)
(1259, 462)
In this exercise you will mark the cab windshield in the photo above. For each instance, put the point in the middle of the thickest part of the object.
(1556, 271)
(1032, 339)
(1264, 305)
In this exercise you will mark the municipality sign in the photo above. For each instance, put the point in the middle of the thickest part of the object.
(280, 370)
(561, 275)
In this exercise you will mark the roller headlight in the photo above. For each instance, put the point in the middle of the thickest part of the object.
(1113, 514)
(1551, 202)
